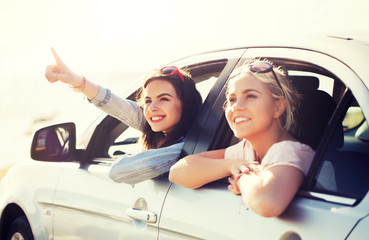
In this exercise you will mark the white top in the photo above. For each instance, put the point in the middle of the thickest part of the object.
(287, 153)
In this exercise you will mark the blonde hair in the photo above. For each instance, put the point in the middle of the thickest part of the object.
(286, 90)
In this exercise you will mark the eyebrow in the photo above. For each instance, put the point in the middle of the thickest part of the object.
(250, 90)
(246, 91)
(161, 95)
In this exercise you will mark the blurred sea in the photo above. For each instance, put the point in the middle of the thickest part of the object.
(30, 102)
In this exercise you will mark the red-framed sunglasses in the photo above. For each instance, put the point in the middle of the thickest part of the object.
(170, 70)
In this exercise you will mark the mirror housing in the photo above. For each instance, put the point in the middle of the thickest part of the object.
(54, 143)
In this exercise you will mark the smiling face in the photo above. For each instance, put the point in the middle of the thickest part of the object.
(251, 110)
(163, 108)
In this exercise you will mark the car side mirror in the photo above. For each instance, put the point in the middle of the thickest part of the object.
(54, 143)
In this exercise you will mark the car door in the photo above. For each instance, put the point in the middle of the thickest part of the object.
(89, 205)
(317, 212)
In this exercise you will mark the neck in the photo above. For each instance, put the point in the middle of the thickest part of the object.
(263, 142)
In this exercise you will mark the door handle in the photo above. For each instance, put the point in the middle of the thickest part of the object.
(141, 215)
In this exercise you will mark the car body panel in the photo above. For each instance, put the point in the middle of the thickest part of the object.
(100, 205)
(36, 197)
(216, 215)
(361, 230)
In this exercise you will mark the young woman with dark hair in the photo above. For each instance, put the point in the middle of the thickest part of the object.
(165, 110)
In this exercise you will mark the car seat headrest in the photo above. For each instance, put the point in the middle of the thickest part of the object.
(304, 84)
(315, 110)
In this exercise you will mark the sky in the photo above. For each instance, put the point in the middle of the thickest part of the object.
(106, 39)
(120, 35)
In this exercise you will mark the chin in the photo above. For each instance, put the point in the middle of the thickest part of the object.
(238, 134)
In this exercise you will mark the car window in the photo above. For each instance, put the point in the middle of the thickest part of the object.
(127, 142)
(326, 83)
(354, 117)
(343, 170)
(204, 87)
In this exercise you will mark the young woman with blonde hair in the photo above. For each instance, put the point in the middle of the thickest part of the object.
(268, 166)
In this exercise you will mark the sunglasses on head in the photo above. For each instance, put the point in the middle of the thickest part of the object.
(264, 67)
(170, 70)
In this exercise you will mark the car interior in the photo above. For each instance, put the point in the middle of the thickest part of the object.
(347, 154)
(343, 158)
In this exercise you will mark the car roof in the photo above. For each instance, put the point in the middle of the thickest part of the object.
(352, 51)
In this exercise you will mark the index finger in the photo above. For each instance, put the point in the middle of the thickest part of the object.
(243, 168)
(56, 57)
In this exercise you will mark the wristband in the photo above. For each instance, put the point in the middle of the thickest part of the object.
(81, 87)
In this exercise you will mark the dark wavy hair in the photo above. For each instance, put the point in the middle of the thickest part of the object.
(191, 102)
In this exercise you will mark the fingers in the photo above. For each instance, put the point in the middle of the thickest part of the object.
(232, 185)
(50, 75)
(235, 171)
(235, 168)
(233, 190)
(59, 71)
(254, 167)
(231, 180)
(251, 166)
(244, 168)
(58, 60)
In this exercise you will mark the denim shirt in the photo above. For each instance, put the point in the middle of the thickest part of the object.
(142, 166)
(145, 165)
(124, 110)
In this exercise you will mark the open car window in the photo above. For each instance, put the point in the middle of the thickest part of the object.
(205, 75)
(320, 91)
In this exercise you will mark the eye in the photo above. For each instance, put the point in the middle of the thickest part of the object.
(231, 100)
(147, 101)
(250, 96)
(164, 99)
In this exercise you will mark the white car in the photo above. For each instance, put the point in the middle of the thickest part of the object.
(65, 192)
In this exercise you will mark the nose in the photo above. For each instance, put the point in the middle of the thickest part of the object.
(239, 105)
(152, 107)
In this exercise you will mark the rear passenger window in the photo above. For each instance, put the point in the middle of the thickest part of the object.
(354, 117)
(345, 165)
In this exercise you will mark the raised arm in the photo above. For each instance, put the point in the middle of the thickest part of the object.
(197, 170)
(60, 72)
